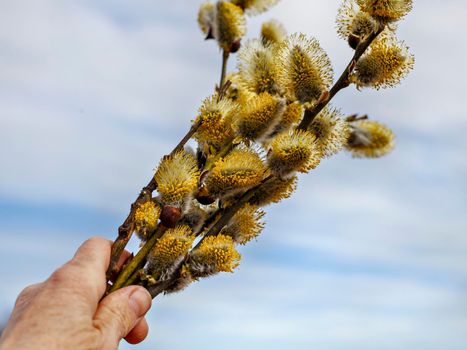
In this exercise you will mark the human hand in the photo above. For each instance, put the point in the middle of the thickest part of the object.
(66, 311)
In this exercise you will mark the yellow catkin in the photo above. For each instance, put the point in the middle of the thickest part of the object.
(241, 169)
(146, 218)
(234, 90)
(274, 191)
(245, 225)
(292, 115)
(169, 251)
(331, 131)
(305, 69)
(273, 32)
(177, 178)
(216, 118)
(206, 15)
(259, 115)
(384, 65)
(370, 139)
(215, 254)
(254, 7)
(229, 24)
(257, 68)
(350, 20)
(293, 151)
(386, 10)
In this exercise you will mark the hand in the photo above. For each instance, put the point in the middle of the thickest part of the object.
(65, 311)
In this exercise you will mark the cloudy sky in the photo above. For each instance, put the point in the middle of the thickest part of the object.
(369, 254)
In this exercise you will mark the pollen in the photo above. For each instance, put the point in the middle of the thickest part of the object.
(292, 115)
(330, 130)
(257, 68)
(259, 116)
(241, 169)
(370, 139)
(246, 225)
(215, 117)
(305, 69)
(146, 217)
(274, 191)
(229, 24)
(385, 64)
(177, 178)
(293, 151)
(254, 7)
(215, 254)
(386, 10)
(273, 32)
(169, 250)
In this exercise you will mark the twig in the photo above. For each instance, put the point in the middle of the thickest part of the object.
(126, 229)
(341, 83)
(139, 260)
(225, 59)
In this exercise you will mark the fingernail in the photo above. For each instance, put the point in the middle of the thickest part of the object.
(140, 302)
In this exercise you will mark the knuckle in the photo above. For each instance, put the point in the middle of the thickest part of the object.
(59, 276)
(25, 294)
(121, 319)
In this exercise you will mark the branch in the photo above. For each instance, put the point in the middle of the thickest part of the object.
(341, 83)
(226, 216)
(225, 58)
(139, 260)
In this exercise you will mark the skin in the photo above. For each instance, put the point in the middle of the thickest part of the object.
(66, 312)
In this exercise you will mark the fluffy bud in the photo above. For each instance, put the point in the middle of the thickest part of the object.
(177, 178)
(273, 32)
(259, 116)
(216, 117)
(292, 115)
(206, 17)
(245, 225)
(274, 191)
(370, 139)
(384, 64)
(293, 151)
(215, 254)
(353, 24)
(254, 7)
(169, 252)
(239, 170)
(257, 68)
(146, 216)
(306, 70)
(330, 130)
(229, 24)
(386, 10)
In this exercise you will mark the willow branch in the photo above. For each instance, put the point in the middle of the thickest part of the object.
(139, 260)
(225, 59)
(341, 83)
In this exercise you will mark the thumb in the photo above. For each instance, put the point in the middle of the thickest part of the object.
(119, 312)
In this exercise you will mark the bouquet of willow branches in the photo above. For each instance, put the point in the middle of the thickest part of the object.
(264, 123)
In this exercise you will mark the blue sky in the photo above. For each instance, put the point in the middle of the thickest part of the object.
(368, 254)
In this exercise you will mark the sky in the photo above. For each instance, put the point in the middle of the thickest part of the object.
(368, 254)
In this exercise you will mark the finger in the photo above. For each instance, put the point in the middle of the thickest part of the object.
(138, 333)
(83, 277)
(119, 312)
(123, 258)
(92, 259)
(94, 254)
